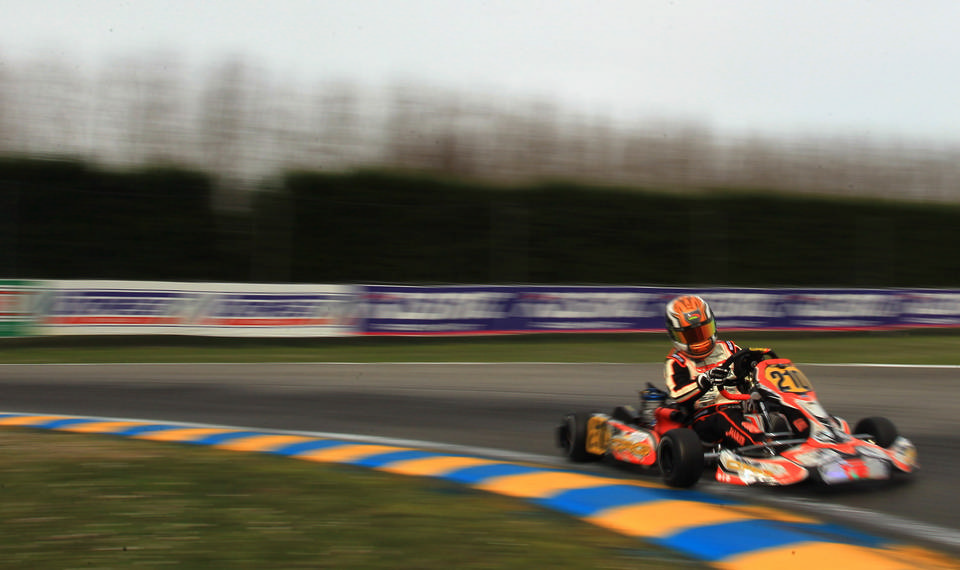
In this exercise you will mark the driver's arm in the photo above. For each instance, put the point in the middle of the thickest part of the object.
(682, 386)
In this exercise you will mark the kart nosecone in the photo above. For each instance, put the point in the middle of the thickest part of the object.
(799, 440)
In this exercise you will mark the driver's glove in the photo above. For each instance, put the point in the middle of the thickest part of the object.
(704, 382)
(718, 373)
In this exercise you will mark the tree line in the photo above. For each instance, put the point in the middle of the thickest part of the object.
(71, 220)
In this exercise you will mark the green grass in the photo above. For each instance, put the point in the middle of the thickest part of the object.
(914, 347)
(80, 501)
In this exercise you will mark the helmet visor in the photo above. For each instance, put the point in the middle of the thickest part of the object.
(693, 335)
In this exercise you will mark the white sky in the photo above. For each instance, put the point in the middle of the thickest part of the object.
(882, 67)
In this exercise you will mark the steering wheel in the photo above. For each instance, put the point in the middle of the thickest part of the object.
(742, 364)
(745, 361)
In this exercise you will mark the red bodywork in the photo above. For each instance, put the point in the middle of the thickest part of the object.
(828, 451)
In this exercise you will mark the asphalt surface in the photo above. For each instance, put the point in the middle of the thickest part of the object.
(512, 407)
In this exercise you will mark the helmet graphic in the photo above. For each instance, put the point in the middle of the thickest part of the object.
(691, 326)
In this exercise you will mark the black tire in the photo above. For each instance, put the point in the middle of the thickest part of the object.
(573, 437)
(882, 430)
(680, 457)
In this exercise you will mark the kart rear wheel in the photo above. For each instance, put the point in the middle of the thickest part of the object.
(573, 437)
(883, 431)
(680, 456)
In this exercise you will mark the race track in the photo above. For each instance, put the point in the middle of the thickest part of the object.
(512, 407)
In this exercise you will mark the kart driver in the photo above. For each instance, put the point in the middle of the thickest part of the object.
(693, 330)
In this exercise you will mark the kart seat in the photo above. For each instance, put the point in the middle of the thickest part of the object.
(679, 414)
(626, 414)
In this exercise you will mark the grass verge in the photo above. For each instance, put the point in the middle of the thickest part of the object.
(79, 501)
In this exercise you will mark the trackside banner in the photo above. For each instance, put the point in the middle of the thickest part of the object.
(84, 307)
(391, 310)
(17, 299)
(209, 309)
(504, 309)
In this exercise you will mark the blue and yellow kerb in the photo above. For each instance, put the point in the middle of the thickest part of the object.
(720, 532)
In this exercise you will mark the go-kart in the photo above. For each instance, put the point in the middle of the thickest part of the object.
(799, 440)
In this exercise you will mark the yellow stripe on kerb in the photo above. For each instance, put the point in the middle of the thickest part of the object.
(662, 518)
(347, 453)
(434, 466)
(544, 484)
(263, 442)
(771, 514)
(807, 555)
(181, 434)
(100, 427)
(31, 420)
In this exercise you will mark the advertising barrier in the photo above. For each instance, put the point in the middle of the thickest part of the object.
(392, 310)
(208, 309)
(16, 307)
(83, 307)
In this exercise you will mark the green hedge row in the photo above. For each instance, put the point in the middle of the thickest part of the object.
(64, 219)
(68, 220)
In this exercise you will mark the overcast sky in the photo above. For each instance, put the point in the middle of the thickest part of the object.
(883, 67)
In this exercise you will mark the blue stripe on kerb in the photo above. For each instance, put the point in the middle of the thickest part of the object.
(829, 532)
(591, 500)
(302, 447)
(725, 540)
(476, 474)
(145, 428)
(716, 542)
(218, 438)
(382, 459)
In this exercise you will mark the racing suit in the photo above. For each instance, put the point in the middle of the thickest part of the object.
(715, 419)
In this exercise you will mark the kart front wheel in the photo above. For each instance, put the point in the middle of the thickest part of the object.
(680, 456)
(882, 430)
(573, 437)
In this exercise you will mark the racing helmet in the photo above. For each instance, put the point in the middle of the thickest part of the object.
(691, 326)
